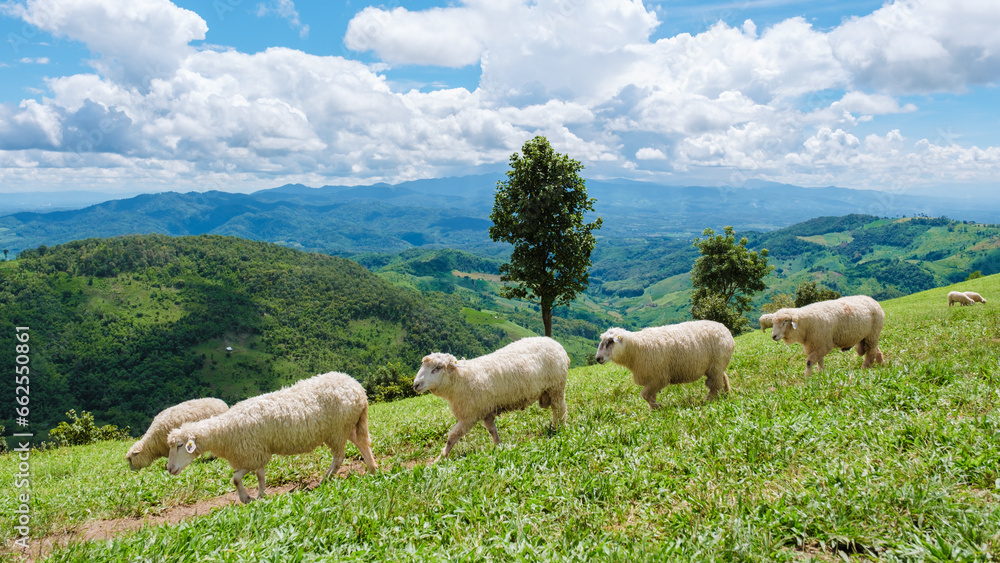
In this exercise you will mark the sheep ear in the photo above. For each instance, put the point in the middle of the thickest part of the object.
(618, 338)
(795, 325)
(190, 446)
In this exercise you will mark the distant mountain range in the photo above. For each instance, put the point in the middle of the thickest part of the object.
(454, 212)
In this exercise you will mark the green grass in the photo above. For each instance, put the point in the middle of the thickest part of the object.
(896, 463)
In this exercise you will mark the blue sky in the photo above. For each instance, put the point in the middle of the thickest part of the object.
(239, 95)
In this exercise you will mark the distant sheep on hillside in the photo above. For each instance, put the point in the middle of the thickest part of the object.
(330, 409)
(960, 298)
(153, 444)
(854, 321)
(975, 297)
(766, 321)
(511, 378)
(680, 353)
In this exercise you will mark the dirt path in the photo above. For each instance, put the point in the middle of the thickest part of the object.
(108, 529)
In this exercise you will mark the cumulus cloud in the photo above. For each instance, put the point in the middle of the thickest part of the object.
(916, 46)
(449, 37)
(649, 153)
(134, 41)
(782, 103)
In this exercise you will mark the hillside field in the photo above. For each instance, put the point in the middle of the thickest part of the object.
(896, 463)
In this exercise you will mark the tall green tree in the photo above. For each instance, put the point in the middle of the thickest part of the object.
(725, 278)
(539, 209)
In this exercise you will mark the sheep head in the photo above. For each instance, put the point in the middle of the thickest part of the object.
(137, 458)
(435, 370)
(784, 323)
(183, 450)
(611, 339)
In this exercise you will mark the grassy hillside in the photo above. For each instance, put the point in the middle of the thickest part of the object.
(896, 463)
(125, 327)
(648, 283)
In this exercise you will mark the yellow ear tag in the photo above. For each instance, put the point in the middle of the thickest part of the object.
(618, 338)
(189, 447)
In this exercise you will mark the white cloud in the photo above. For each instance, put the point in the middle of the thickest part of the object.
(450, 37)
(136, 40)
(284, 9)
(780, 103)
(916, 46)
(649, 153)
(34, 61)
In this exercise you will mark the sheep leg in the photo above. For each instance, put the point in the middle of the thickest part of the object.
(815, 357)
(457, 431)
(872, 355)
(716, 383)
(490, 423)
(649, 393)
(337, 449)
(261, 487)
(238, 481)
(558, 405)
(359, 437)
(364, 446)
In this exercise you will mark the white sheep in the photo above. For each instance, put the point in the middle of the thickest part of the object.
(766, 321)
(975, 297)
(855, 321)
(665, 355)
(153, 444)
(511, 378)
(330, 409)
(960, 298)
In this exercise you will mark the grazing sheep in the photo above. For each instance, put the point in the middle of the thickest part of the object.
(975, 297)
(766, 321)
(153, 444)
(680, 353)
(960, 298)
(330, 409)
(511, 378)
(854, 321)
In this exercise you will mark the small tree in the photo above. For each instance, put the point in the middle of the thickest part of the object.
(725, 277)
(778, 301)
(809, 292)
(974, 275)
(539, 209)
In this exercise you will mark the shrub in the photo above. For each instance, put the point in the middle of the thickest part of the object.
(389, 383)
(809, 292)
(81, 430)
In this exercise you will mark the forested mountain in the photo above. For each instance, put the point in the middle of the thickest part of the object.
(454, 213)
(124, 327)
